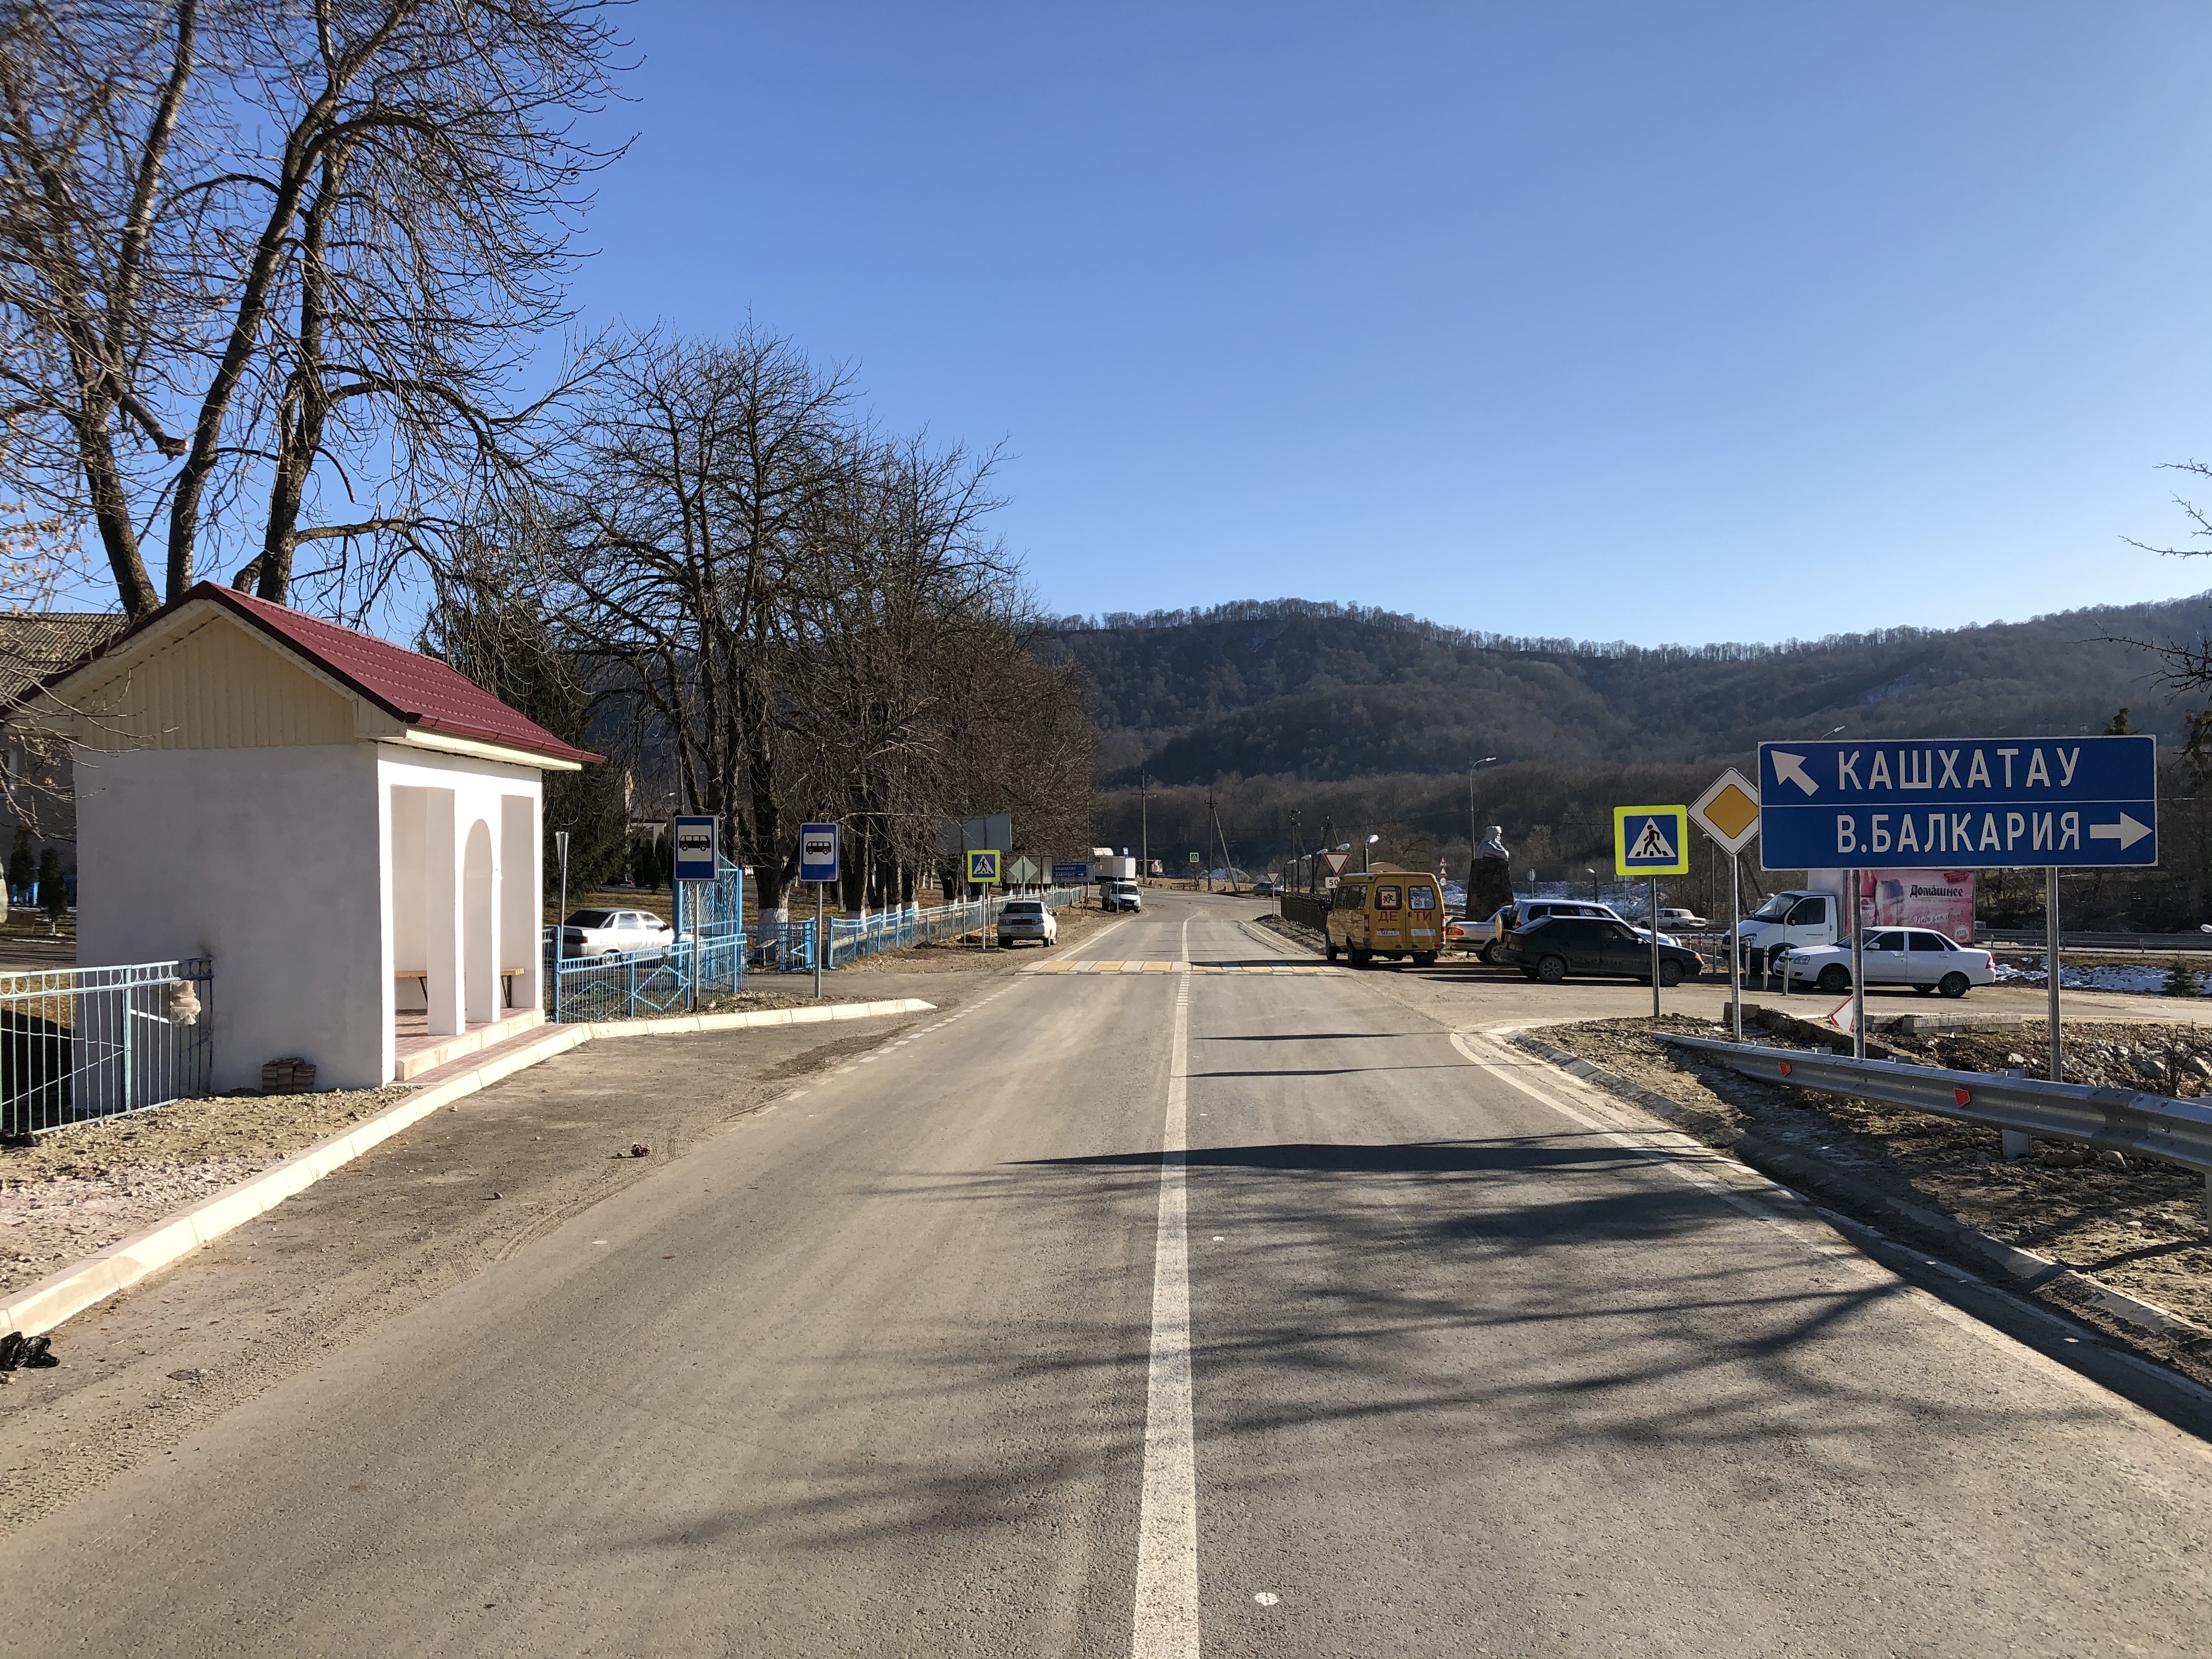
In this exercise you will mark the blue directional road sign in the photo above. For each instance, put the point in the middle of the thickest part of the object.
(1959, 802)
(818, 852)
(1071, 875)
(695, 840)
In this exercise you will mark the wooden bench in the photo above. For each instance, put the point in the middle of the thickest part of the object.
(421, 977)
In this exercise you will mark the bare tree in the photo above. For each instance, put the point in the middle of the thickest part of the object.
(265, 258)
(694, 465)
(803, 618)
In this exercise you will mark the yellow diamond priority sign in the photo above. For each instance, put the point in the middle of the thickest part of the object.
(1728, 811)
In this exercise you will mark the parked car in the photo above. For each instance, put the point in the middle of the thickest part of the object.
(1488, 937)
(1688, 921)
(1553, 948)
(613, 933)
(1027, 919)
(1263, 888)
(1918, 956)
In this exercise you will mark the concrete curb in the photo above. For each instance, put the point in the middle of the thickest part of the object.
(682, 1024)
(60, 1296)
(1788, 1164)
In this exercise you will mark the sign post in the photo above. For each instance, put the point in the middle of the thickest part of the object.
(561, 919)
(1729, 812)
(1651, 841)
(1964, 803)
(817, 863)
(696, 840)
(983, 871)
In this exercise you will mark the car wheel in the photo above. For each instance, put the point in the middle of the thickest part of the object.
(1953, 986)
(1489, 954)
(1670, 974)
(1834, 977)
(1925, 990)
(1361, 958)
(1552, 970)
(1331, 952)
(1425, 958)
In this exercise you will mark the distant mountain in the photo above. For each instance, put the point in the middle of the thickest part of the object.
(1293, 687)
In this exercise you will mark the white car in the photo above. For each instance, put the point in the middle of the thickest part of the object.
(1027, 919)
(613, 933)
(1918, 956)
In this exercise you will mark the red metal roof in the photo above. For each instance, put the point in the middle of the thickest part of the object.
(420, 690)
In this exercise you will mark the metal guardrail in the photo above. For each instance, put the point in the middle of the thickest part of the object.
(79, 1044)
(2110, 1120)
(2149, 943)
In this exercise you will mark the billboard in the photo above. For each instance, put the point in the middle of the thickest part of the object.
(1940, 899)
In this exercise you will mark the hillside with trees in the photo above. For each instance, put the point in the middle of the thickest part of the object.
(1325, 692)
(1297, 723)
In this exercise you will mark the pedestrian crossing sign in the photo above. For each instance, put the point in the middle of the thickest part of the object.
(983, 867)
(1651, 840)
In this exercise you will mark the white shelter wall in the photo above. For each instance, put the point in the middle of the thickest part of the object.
(266, 860)
(521, 897)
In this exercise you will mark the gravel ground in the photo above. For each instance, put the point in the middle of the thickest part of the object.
(2140, 1228)
(80, 1189)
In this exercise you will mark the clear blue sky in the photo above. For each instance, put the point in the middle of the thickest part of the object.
(1643, 321)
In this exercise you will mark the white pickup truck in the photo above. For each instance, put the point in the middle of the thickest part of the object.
(1803, 919)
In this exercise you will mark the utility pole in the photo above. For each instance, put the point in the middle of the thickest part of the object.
(1144, 825)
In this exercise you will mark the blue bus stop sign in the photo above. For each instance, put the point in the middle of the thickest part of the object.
(1959, 802)
(696, 841)
(818, 852)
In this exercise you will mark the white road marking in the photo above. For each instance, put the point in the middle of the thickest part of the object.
(1679, 1154)
(1166, 1624)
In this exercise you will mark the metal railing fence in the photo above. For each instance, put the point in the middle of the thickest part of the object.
(79, 1044)
(639, 984)
(2110, 1120)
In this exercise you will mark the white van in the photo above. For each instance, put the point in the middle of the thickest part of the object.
(1802, 918)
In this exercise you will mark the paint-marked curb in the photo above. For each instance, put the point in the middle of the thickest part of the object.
(679, 1025)
(60, 1296)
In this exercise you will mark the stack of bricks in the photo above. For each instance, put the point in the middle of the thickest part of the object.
(290, 1076)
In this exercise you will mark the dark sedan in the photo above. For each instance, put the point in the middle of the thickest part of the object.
(1555, 947)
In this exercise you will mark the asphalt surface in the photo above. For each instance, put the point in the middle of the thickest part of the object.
(1476, 1365)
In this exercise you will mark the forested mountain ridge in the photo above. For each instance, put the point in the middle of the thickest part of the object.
(1321, 691)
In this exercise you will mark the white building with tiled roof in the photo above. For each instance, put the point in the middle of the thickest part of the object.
(349, 830)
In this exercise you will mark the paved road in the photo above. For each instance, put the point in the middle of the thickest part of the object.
(898, 1366)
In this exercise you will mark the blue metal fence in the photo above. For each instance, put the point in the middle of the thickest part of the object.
(78, 1043)
(667, 981)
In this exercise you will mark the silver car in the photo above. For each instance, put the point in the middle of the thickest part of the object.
(1027, 919)
(1918, 956)
(613, 933)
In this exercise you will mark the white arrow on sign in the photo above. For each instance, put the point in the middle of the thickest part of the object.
(1790, 768)
(2127, 832)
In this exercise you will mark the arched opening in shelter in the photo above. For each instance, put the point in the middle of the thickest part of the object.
(480, 962)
